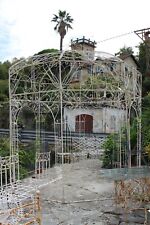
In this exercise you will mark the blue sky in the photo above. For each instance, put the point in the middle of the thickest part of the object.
(26, 28)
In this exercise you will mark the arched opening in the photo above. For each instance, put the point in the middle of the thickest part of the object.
(84, 123)
(26, 118)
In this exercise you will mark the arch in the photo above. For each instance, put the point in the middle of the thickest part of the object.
(84, 123)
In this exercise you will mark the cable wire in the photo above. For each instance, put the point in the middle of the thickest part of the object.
(117, 36)
(111, 38)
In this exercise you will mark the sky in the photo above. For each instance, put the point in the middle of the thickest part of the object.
(26, 27)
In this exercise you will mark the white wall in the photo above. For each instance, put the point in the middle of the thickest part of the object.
(130, 62)
(105, 120)
(113, 119)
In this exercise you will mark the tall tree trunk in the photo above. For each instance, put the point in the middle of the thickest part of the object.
(61, 43)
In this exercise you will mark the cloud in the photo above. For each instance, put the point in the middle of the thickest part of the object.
(7, 22)
(26, 26)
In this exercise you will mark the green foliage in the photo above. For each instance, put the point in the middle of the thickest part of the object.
(4, 70)
(147, 150)
(51, 50)
(142, 58)
(23, 172)
(4, 94)
(146, 102)
(26, 155)
(110, 154)
(4, 89)
(4, 147)
(27, 159)
(146, 98)
(125, 51)
(143, 68)
(146, 121)
(4, 115)
(133, 133)
(26, 119)
(3, 98)
(63, 22)
(146, 85)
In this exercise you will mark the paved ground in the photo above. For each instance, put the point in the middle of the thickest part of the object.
(82, 197)
(74, 194)
(79, 197)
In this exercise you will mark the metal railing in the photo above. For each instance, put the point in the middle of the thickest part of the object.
(29, 135)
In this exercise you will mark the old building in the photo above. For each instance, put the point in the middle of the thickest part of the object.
(98, 117)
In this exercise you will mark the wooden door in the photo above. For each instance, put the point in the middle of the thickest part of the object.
(84, 123)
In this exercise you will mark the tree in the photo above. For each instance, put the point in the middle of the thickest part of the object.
(52, 50)
(125, 51)
(63, 22)
(4, 147)
(4, 70)
(26, 155)
(142, 58)
(4, 114)
(144, 69)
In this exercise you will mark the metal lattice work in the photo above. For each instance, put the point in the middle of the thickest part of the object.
(9, 170)
(42, 163)
(26, 210)
(87, 94)
(90, 93)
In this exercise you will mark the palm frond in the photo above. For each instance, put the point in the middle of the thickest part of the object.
(63, 22)
(68, 19)
(68, 26)
(55, 18)
(55, 28)
(62, 14)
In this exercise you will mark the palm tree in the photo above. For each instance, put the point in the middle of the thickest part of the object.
(63, 22)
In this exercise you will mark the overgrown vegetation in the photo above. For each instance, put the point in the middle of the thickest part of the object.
(110, 145)
(111, 149)
(27, 159)
(26, 155)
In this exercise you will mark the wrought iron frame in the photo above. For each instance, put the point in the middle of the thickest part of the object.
(47, 83)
